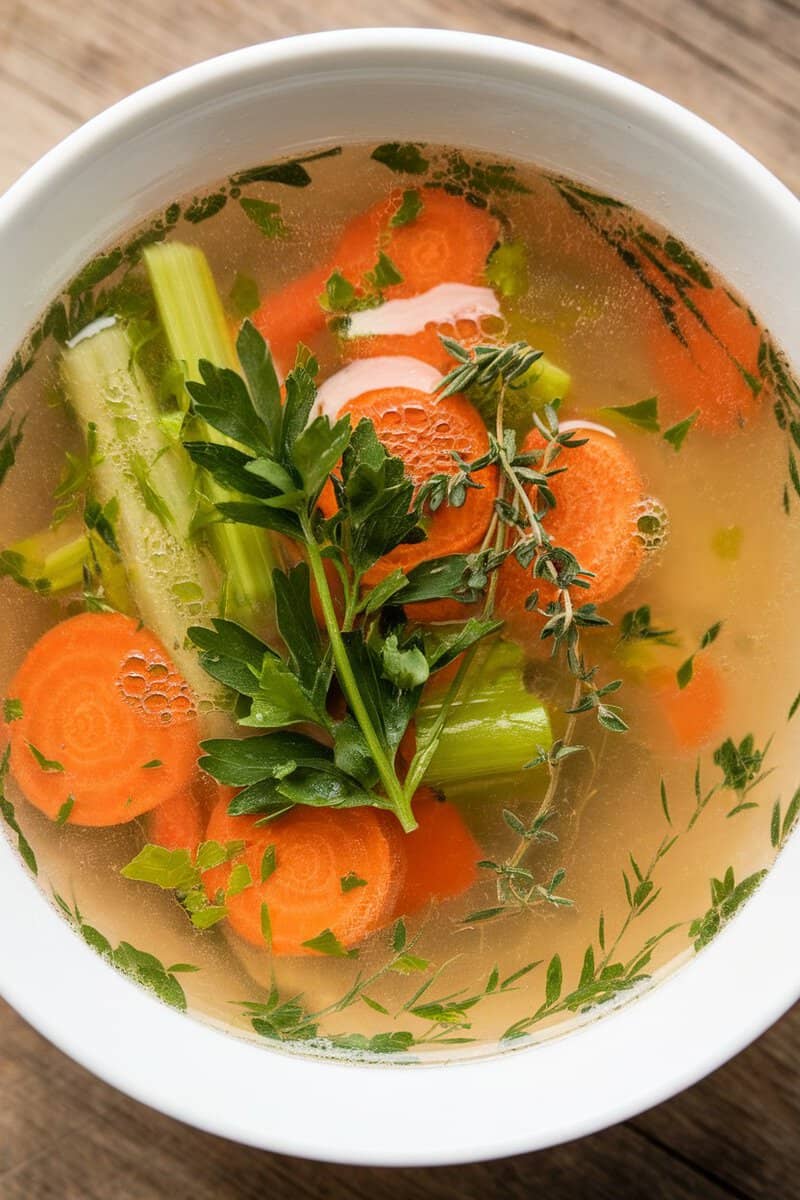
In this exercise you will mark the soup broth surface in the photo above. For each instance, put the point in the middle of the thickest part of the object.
(662, 820)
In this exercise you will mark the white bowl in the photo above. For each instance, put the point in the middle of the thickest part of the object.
(510, 99)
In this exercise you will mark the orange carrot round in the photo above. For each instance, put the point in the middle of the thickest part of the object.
(315, 849)
(180, 822)
(291, 315)
(111, 718)
(422, 431)
(693, 714)
(594, 518)
(706, 373)
(440, 855)
(448, 242)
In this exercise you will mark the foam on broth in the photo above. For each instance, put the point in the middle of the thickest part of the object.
(590, 314)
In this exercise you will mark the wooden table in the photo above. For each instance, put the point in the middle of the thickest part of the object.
(67, 1136)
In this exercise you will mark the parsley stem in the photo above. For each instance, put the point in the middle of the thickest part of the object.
(425, 752)
(394, 789)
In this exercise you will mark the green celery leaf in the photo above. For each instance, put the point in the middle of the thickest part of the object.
(262, 516)
(266, 216)
(231, 654)
(301, 392)
(410, 208)
(328, 789)
(437, 579)
(442, 650)
(229, 467)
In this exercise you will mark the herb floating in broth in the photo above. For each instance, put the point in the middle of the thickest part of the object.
(356, 617)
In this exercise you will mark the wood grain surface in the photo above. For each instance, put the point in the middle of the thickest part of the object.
(63, 1134)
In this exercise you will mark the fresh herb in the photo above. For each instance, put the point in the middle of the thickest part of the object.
(291, 172)
(244, 296)
(181, 872)
(74, 483)
(266, 216)
(405, 158)
(266, 925)
(65, 810)
(204, 207)
(342, 297)
(150, 766)
(410, 208)
(727, 896)
(352, 880)
(380, 670)
(10, 438)
(643, 414)
(328, 943)
(741, 768)
(676, 434)
(268, 863)
(50, 765)
(8, 813)
(686, 669)
(141, 967)
(636, 625)
(782, 824)
(12, 710)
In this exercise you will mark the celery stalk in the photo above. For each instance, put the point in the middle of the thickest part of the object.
(196, 328)
(173, 581)
(495, 725)
(47, 562)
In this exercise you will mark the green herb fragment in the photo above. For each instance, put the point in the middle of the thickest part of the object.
(643, 414)
(8, 813)
(636, 625)
(727, 897)
(727, 543)
(239, 880)
(676, 434)
(154, 762)
(740, 764)
(383, 274)
(410, 207)
(792, 708)
(244, 297)
(10, 439)
(290, 172)
(12, 710)
(352, 880)
(172, 870)
(50, 765)
(685, 671)
(268, 863)
(507, 269)
(409, 964)
(266, 216)
(403, 157)
(328, 943)
(66, 808)
(205, 207)
(266, 925)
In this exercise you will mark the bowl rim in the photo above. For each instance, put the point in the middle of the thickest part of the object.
(691, 1023)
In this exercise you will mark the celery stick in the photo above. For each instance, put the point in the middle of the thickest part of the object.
(174, 582)
(495, 725)
(48, 562)
(196, 328)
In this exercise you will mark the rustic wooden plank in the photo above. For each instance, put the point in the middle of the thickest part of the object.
(113, 1147)
(65, 1135)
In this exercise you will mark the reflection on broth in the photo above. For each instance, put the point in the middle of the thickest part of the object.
(483, 642)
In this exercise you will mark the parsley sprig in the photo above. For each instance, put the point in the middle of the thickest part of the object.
(367, 652)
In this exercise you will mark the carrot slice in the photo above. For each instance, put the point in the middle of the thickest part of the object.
(292, 315)
(113, 719)
(448, 242)
(180, 822)
(441, 854)
(707, 374)
(694, 713)
(594, 518)
(314, 850)
(423, 431)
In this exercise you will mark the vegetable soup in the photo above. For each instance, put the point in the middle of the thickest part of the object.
(395, 658)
